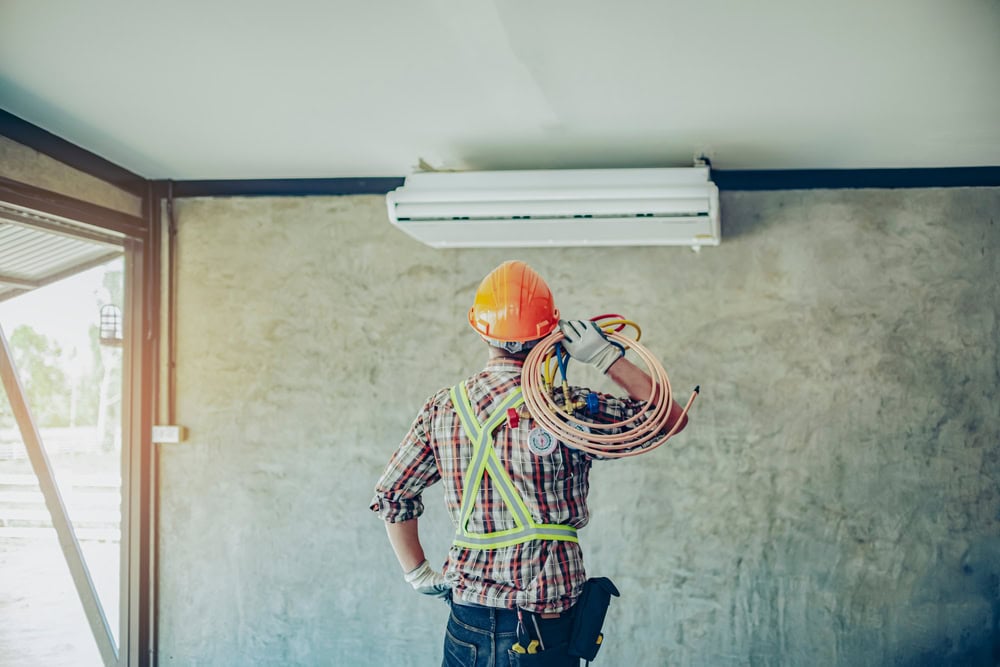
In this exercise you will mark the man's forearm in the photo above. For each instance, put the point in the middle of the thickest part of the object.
(637, 383)
(405, 542)
(632, 379)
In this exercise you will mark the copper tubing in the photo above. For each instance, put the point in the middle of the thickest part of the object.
(641, 433)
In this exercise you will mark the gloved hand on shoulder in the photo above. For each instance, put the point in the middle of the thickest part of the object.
(586, 342)
(427, 581)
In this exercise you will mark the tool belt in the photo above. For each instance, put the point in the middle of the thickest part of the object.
(537, 635)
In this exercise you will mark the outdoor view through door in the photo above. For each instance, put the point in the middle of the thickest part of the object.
(70, 369)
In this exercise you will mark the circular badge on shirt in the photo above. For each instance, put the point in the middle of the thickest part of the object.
(541, 442)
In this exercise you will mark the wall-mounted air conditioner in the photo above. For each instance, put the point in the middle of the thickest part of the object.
(575, 207)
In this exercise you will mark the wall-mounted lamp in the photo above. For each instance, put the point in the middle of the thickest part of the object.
(111, 325)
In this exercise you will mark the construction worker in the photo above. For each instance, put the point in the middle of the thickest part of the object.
(512, 583)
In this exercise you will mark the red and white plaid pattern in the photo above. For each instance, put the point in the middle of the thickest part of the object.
(539, 576)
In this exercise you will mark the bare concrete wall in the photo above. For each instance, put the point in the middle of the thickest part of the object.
(834, 500)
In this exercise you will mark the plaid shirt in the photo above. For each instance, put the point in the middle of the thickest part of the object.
(540, 575)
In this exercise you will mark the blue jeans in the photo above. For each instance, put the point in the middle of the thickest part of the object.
(485, 636)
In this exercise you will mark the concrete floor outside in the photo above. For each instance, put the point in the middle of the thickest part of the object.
(41, 619)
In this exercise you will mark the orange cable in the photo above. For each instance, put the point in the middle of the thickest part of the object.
(642, 432)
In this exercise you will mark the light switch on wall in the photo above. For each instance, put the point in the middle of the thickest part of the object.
(167, 435)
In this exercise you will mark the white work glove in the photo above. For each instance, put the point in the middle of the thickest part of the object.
(585, 342)
(427, 581)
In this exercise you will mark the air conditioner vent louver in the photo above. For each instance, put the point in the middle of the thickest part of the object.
(559, 208)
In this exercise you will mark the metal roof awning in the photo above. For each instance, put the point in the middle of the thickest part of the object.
(37, 249)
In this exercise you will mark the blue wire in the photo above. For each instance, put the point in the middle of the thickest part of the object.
(563, 362)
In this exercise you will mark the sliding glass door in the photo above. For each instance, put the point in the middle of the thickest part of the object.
(77, 368)
(71, 374)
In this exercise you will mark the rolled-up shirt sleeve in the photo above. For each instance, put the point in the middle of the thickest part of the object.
(411, 469)
(611, 409)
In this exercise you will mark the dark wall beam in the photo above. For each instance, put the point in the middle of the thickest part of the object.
(284, 187)
(43, 141)
(46, 201)
(837, 179)
(778, 179)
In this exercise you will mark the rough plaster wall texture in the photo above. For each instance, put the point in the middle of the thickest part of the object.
(834, 500)
(26, 165)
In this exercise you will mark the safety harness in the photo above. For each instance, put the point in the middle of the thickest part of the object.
(486, 462)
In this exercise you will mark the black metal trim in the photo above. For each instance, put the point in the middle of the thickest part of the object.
(146, 613)
(43, 141)
(285, 187)
(840, 179)
(53, 203)
(727, 180)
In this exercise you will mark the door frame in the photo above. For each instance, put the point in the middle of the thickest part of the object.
(141, 246)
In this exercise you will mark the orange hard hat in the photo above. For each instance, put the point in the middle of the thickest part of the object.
(513, 303)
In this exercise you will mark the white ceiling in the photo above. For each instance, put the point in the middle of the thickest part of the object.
(241, 89)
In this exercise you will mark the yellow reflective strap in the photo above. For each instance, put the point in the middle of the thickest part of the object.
(506, 485)
(517, 539)
(500, 477)
(466, 413)
(481, 437)
(474, 474)
(485, 461)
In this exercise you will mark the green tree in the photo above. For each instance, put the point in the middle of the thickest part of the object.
(46, 385)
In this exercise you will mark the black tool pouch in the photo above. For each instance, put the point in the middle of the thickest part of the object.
(588, 617)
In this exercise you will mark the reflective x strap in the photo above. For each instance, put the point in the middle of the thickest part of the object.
(482, 446)
(485, 459)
